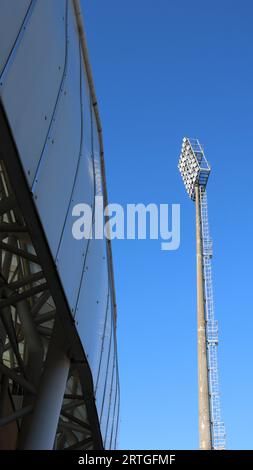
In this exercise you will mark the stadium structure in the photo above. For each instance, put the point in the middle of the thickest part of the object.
(59, 385)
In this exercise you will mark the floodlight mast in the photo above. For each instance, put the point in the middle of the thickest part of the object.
(204, 405)
(195, 171)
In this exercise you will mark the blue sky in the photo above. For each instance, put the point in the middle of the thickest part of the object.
(164, 69)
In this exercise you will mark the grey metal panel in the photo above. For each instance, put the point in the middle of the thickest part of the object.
(71, 253)
(54, 178)
(91, 307)
(11, 18)
(92, 312)
(116, 421)
(92, 302)
(107, 391)
(32, 80)
(112, 397)
(104, 358)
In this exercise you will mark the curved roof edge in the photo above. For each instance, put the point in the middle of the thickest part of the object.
(81, 31)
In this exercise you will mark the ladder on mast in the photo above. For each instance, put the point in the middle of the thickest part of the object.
(217, 425)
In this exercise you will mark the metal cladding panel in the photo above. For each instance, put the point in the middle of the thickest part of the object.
(72, 253)
(36, 61)
(55, 175)
(111, 412)
(91, 307)
(104, 357)
(115, 421)
(11, 18)
(92, 302)
(112, 422)
(104, 415)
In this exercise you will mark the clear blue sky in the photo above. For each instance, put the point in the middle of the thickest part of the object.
(164, 69)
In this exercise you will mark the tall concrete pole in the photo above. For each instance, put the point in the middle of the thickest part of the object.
(204, 407)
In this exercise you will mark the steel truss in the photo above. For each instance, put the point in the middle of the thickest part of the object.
(217, 426)
(32, 310)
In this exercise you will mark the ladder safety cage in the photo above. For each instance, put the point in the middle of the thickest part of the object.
(218, 428)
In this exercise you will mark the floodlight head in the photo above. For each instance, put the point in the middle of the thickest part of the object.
(193, 166)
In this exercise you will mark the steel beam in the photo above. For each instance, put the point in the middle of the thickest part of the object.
(16, 415)
(30, 279)
(80, 445)
(15, 298)
(12, 228)
(19, 379)
(7, 204)
(19, 252)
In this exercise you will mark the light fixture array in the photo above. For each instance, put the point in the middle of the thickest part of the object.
(193, 166)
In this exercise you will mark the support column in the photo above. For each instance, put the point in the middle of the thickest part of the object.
(204, 407)
(44, 420)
